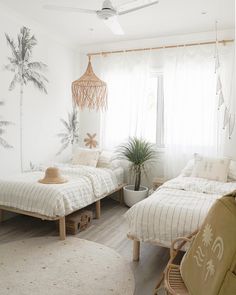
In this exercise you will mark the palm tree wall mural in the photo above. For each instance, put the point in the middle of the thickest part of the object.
(70, 135)
(3, 125)
(24, 70)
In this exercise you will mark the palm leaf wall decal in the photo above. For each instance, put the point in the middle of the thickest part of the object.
(24, 70)
(70, 135)
(3, 125)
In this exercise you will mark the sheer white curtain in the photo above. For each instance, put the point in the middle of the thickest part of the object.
(192, 122)
(226, 74)
(191, 117)
(127, 77)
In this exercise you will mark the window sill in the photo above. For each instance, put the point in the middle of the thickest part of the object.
(161, 150)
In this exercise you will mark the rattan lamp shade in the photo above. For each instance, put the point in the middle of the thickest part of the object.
(89, 91)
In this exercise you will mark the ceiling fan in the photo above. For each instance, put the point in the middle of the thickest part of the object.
(108, 14)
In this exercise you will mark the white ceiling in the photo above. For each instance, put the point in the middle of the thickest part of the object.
(169, 17)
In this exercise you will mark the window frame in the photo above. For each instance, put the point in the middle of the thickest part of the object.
(159, 75)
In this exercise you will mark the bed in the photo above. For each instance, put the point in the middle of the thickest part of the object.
(175, 209)
(87, 185)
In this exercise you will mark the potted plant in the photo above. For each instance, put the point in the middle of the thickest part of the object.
(140, 154)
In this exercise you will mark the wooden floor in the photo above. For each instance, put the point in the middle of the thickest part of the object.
(110, 230)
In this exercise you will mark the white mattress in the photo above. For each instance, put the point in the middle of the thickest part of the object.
(119, 173)
(117, 170)
(176, 209)
(86, 185)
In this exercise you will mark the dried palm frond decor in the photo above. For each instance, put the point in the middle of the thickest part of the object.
(89, 91)
(90, 141)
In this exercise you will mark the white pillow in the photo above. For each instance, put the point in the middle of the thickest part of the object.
(108, 160)
(187, 171)
(211, 168)
(232, 170)
(105, 159)
(87, 157)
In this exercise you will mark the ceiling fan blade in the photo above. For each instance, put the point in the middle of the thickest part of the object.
(137, 8)
(113, 24)
(68, 9)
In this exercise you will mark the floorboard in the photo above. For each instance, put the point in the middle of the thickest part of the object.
(110, 230)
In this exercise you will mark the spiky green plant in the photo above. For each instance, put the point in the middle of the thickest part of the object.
(70, 135)
(24, 69)
(3, 125)
(140, 154)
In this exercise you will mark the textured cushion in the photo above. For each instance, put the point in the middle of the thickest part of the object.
(85, 157)
(232, 170)
(211, 168)
(108, 160)
(105, 159)
(187, 171)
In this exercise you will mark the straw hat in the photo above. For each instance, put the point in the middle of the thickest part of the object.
(52, 176)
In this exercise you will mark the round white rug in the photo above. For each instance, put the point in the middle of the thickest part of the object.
(47, 266)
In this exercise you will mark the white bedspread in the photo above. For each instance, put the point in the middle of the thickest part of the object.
(176, 209)
(85, 186)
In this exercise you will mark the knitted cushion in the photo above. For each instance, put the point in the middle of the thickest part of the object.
(211, 168)
(85, 157)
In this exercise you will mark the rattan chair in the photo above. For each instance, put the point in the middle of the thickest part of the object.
(173, 282)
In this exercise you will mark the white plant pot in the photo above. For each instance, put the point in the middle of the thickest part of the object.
(132, 197)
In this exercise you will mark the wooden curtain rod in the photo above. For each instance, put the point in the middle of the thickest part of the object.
(157, 48)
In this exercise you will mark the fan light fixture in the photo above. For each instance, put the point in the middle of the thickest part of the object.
(108, 13)
(89, 91)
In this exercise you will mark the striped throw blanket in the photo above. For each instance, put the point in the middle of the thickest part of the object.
(176, 209)
(85, 186)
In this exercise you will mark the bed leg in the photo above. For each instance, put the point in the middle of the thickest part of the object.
(1, 215)
(98, 209)
(62, 228)
(121, 196)
(136, 250)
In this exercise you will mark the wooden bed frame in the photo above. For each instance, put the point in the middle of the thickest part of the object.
(136, 246)
(137, 243)
(62, 220)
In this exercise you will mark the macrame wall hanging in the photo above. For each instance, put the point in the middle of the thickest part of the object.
(229, 116)
(89, 91)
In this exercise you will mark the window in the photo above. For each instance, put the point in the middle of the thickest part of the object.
(155, 109)
(135, 106)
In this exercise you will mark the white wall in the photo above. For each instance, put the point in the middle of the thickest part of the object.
(41, 113)
(159, 41)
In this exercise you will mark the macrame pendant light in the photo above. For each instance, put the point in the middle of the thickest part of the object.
(89, 91)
